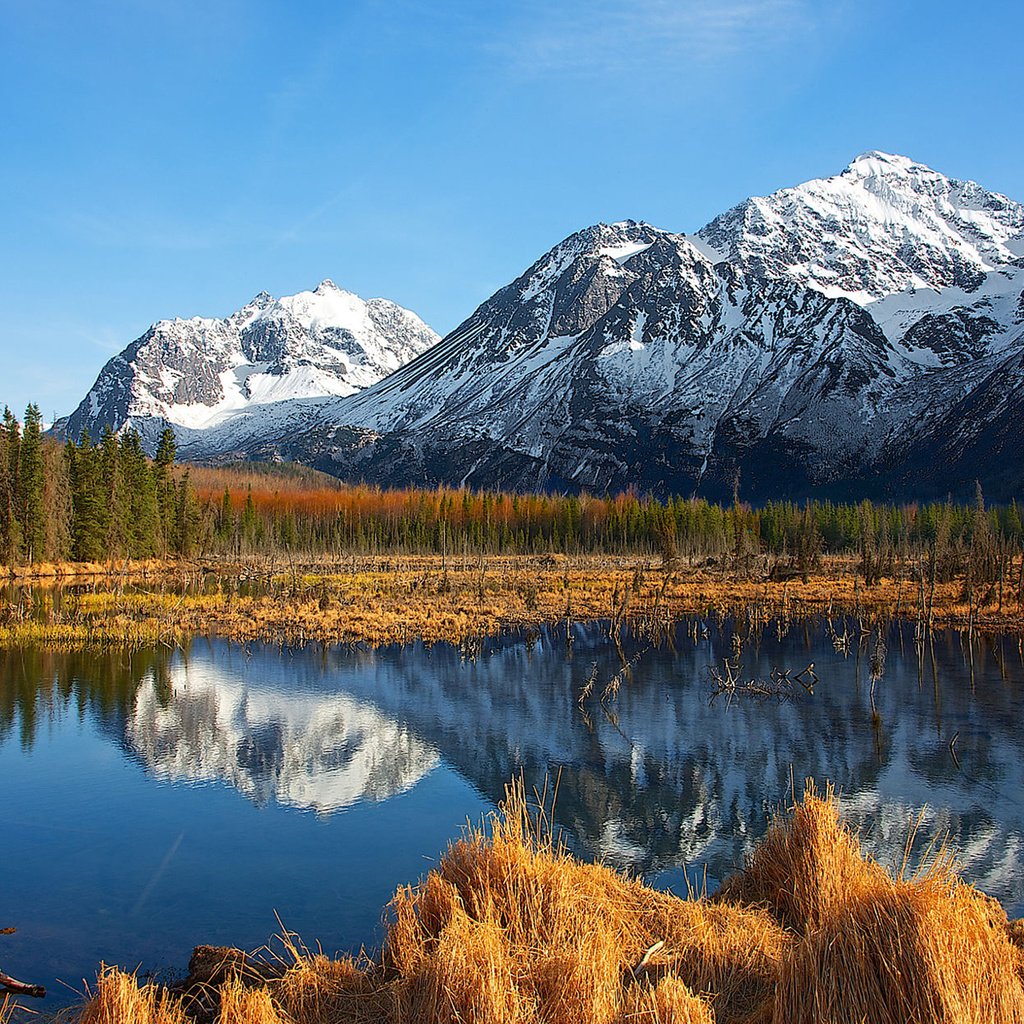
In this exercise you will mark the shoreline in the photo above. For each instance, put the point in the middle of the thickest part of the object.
(510, 928)
(379, 600)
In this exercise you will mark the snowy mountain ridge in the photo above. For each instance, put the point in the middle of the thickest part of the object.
(831, 337)
(193, 374)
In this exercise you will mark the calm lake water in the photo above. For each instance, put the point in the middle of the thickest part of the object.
(153, 802)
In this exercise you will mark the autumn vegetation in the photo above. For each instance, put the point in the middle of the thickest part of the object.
(511, 929)
(102, 501)
(287, 554)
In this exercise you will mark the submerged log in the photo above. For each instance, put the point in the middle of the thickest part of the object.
(20, 988)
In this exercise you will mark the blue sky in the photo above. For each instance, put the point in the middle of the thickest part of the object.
(174, 158)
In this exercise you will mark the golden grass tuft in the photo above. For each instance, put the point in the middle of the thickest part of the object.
(241, 1005)
(1015, 933)
(510, 929)
(806, 866)
(119, 999)
(667, 1002)
(317, 988)
(925, 950)
(559, 939)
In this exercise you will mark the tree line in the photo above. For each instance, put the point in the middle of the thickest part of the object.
(92, 500)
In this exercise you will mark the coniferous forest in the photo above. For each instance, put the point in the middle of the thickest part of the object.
(100, 499)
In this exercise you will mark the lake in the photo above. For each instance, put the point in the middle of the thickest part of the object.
(154, 801)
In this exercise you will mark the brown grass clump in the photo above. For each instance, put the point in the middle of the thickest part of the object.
(241, 1005)
(1015, 932)
(806, 867)
(119, 999)
(922, 951)
(316, 988)
(667, 1002)
(544, 937)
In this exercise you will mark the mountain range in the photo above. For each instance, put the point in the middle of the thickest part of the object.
(861, 334)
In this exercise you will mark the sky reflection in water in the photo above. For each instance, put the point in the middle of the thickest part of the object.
(164, 799)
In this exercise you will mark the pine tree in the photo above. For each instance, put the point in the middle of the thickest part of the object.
(137, 479)
(166, 496)
(9, 541)
(250, 524)
(57, 499)
(89, 527)
(31, 509)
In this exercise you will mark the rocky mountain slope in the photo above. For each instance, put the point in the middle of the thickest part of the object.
(857, 334)
(194, 374)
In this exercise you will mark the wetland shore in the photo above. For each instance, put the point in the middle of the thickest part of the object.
(378, 600)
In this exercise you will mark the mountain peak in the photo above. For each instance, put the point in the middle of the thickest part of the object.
(886, 224)
(325, 286)
(875, 161)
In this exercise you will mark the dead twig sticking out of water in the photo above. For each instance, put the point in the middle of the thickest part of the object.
(611, 691)
(778, 686)
(877, 665)
(15, 987)
(840, 641)
(588, 687)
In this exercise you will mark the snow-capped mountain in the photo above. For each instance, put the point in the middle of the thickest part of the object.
(840, 336)
(885, 225)
(193, 374)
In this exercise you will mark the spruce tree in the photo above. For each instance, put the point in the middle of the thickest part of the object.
(57, 499)
(6, 501)
(166, 494)
(32, 511)
(89, 531)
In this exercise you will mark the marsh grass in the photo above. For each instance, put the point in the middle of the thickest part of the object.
(511, 929)
(379, 601)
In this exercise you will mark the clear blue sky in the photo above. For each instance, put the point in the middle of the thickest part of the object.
(174, 157)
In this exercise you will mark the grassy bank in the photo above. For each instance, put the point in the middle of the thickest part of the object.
(509, 929)
(380, 600)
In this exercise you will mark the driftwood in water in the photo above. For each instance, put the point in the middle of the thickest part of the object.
(19, 988)
(15, 987)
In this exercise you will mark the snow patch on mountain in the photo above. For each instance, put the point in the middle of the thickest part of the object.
(196, 373)
(886, 224)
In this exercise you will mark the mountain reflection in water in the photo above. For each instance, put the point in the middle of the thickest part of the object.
(657, 778)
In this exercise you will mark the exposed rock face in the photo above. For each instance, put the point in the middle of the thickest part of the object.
(194, 374)
(860, 334)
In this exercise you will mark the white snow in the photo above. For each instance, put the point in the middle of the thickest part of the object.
(621, 251)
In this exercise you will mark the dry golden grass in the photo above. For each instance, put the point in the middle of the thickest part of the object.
(560, 938)
(919, 951)
(806, 866)
(241, 1005)
(1015, 931)
(119, 999)
(381, 600)
(668, 1000)
(509, 929)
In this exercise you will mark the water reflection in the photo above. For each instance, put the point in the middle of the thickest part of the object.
(272, 737)
(655, 778)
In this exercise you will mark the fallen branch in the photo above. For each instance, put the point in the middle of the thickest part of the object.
(19, 988)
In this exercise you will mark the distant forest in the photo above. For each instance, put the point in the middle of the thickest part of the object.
(96, 500)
